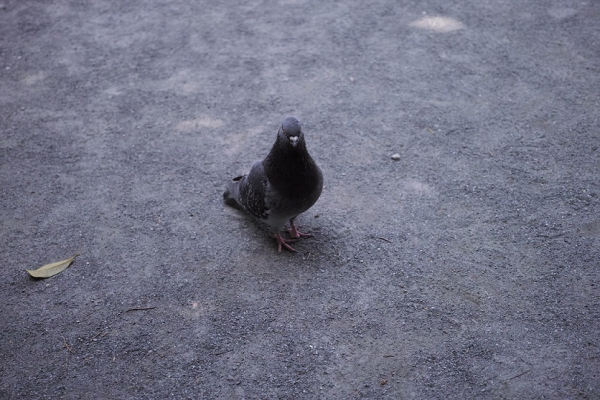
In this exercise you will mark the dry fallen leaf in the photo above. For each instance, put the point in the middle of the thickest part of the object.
(49, 270)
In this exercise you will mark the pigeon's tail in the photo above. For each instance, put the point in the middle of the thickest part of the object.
(232, 193)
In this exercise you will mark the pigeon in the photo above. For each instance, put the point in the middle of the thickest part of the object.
(280, 187)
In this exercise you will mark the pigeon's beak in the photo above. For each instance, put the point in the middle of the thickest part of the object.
(294, 140)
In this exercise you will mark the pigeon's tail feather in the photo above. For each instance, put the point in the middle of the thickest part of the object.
(229, 200)
(232, 193)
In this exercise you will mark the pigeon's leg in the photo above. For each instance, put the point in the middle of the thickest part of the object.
(284, 242)
(294, 231)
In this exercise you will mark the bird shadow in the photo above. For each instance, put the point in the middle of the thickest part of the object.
(323, 241)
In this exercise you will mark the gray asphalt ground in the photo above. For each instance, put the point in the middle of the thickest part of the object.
(466, 269)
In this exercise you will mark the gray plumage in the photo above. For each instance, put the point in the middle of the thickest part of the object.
(282, 186)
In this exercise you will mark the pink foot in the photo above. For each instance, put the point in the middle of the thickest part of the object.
(295, 233)
(284, 242)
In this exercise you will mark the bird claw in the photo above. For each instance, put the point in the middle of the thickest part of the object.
(284, 242)
(296, 234)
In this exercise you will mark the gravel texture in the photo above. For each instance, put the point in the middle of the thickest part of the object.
(466, 267)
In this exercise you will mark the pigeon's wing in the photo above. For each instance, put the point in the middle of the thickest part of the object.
(248, 191)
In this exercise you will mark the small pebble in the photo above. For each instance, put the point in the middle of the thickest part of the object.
(396, 157)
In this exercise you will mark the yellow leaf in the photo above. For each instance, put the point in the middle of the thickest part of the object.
(49, 270)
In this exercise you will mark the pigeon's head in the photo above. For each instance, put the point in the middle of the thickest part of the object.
(291, 132)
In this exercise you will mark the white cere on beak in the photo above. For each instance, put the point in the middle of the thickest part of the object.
(294, 140)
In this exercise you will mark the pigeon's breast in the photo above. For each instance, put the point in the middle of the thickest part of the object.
(282, 208)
